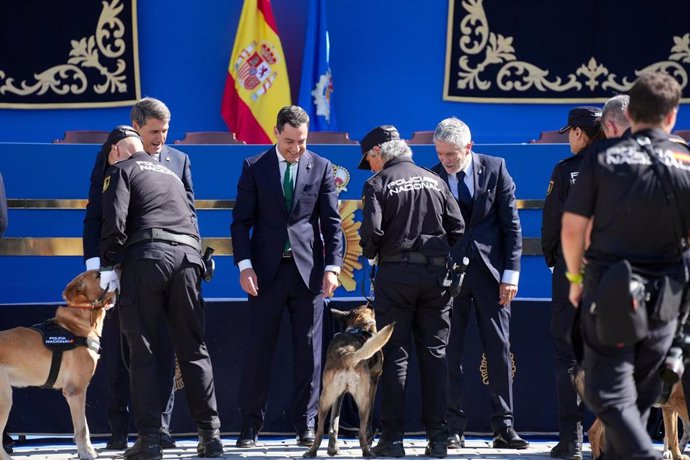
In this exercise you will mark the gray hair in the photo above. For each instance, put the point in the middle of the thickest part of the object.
(614, 111)
(394, 149)
(453, 131)
(149, 107)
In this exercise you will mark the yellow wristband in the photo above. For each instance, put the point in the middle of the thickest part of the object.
(574, 278)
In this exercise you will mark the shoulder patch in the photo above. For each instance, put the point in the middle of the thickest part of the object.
(106, 183)
(550, 187)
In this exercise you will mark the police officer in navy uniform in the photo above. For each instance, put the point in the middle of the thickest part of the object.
(583, 129)
(149, 229)
(410, 222)
(151, 120)
(623, 185)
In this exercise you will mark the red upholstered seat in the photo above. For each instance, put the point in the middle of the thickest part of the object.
(209, 137)
(83, 137)
(551, 137)
(329, 137)
(422, 137)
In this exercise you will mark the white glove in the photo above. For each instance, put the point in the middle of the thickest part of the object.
(94, 263)
(110, 280)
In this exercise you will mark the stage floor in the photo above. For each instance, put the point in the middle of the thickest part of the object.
(278, 448)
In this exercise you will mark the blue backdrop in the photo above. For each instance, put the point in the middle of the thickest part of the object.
(387, 59)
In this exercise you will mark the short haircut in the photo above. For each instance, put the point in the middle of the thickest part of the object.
(395, 148)
(653, 96)
(614, 110)
(149, 107)
(293, 115)
(453, 131)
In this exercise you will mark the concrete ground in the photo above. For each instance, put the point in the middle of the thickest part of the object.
(279, 448)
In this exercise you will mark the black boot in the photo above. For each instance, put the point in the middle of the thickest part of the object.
(147, 447)
(209, 444)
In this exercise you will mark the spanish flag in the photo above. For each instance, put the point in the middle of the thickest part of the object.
(257, 86)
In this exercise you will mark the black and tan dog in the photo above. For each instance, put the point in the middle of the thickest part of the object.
(671, 410)
(354, 362)
(26, 361)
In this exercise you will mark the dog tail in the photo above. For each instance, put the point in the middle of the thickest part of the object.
(372, 345)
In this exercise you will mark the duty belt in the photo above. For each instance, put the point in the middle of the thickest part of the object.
(158, 234)
(415, 258)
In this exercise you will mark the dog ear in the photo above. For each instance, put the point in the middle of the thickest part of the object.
(339, 314)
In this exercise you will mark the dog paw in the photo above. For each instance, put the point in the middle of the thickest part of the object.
(332, 451)
(88, 453)
(309, 454)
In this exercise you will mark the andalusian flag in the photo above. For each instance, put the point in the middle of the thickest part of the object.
(257, 86)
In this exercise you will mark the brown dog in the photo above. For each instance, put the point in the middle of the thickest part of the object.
(354, 362)
(26, 361)
(672, 409)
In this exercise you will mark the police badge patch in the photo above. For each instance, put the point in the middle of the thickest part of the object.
(106, 183)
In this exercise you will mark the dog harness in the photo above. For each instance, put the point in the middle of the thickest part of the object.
(58, 339)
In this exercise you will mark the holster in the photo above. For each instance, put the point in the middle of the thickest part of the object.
(457, 276)
(209, 266)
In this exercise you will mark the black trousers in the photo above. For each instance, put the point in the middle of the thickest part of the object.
(570, 407)
(118, 375)
(411, 296)
(286, 292)
(621, 384)
(480, 290)
(161, 284)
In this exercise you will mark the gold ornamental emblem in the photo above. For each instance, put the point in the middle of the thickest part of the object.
(484, 368)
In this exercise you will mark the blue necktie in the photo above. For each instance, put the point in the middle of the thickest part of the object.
(464, 196)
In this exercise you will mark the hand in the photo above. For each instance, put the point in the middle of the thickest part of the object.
(110, 280)
(330, 284)
(506, 293)
(249, 282)
(575, 294)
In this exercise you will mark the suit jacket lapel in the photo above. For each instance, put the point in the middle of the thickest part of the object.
(303, 169)
(479, 188)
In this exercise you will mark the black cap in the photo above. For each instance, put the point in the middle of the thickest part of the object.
(376, 136)
(119, 133)
(582, 117)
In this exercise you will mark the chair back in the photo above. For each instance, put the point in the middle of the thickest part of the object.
(83, 137)
(329, 137)
(209, 137)
(551, 137)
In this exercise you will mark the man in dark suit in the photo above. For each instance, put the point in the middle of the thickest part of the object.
(288, 245)
(151, 119)
(492, 244)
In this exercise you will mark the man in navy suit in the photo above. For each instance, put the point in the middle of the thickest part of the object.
(287, 243)
(493, 244)
(151, 119)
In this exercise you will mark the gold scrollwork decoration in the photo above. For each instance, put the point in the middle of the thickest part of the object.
(495, 49)
(70, 78)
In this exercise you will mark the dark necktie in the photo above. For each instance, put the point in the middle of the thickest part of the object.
(289, 191)
(464, 197)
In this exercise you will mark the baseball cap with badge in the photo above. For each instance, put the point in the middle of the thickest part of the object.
(376, 136)
(582, 117)
(120, 132)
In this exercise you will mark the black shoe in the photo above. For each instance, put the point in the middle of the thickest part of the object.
(436, 449)
(209, 445)
(7, 442)
(117, 441)
(567, 450)
(507, 438)
(247, 437)
(166, 440)
(389, 449)
(456, 440)
(306, 438)
(145, 448)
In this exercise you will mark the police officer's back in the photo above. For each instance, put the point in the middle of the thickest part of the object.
(628, 186)
(410, 222)
(149, 228)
